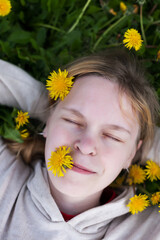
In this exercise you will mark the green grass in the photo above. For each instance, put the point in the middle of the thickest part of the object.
(41, 35)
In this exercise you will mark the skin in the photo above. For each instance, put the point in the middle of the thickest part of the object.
(103, 141)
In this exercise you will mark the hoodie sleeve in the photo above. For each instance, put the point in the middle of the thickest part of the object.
(18, 89)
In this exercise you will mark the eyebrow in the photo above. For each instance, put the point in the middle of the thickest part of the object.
(110, 126)
(77, 113)
(118, 128)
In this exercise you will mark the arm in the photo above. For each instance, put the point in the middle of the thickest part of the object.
(18, 89)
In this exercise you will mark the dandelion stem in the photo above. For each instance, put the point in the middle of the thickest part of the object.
(108, 30)
(134, 189)
(142, 189)
(141, 23)
(49, 26)
(80, 16)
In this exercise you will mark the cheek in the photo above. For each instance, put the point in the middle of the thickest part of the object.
(113, 151)
(57, 136)
(117, 157)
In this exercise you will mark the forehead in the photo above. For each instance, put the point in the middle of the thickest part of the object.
(100, 98)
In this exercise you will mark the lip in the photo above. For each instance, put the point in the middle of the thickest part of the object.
(81, 169)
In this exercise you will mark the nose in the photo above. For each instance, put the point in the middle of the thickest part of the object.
(86, 145)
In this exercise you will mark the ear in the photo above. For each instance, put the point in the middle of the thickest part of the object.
(129, 162)
(45, 132)
(139, 144)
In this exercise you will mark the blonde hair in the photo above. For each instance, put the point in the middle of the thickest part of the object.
(122, 68)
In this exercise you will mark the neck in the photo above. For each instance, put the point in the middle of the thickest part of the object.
(74, 205)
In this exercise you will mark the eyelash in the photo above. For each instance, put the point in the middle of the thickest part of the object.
(111, 137)
(81, 125)
(71, 121)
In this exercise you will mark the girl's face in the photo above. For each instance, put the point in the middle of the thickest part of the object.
(102, 138)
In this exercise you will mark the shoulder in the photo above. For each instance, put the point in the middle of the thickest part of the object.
(144, 225)
(13, 172)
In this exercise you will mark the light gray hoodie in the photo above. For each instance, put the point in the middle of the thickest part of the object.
(27, 208)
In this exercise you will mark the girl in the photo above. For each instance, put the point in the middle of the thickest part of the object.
(107, 120)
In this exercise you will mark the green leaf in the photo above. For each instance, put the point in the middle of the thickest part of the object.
(152, 186)
(4, 26)
(5, 115)
(41, 36)
(12, 134)
(5, 47)
(19, 36)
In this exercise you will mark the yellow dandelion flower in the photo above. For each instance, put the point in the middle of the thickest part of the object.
(138, 203)
(112, 12)
(155, 198)
(59, 84)
(132, 38)
(136, 175)
(22, 118)
(123, 6)
(59, 161)
(152, 171)
(24, 133)
(158, 55)
(5, 7)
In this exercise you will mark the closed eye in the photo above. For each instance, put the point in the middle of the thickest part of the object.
(112, 138)
(73, 122)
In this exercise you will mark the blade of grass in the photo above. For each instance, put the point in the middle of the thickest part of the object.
(108, 30)
(49, 26)
(80, 16)
(141, 23)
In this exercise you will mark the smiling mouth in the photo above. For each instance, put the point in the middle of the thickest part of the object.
(81, 169)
